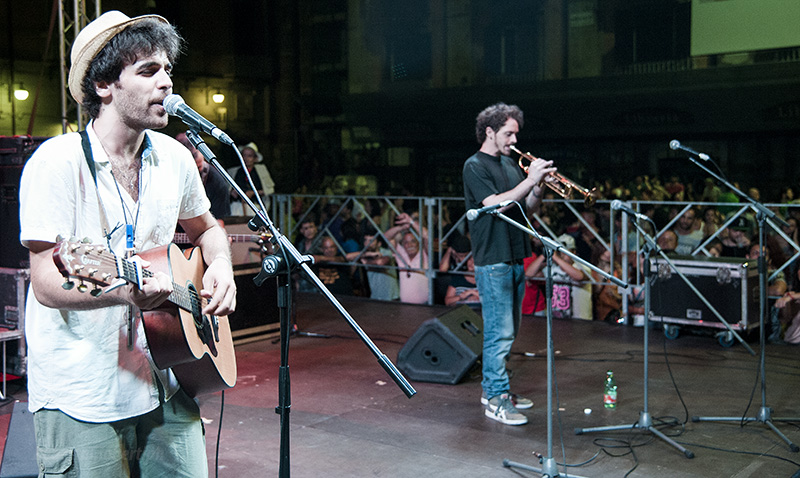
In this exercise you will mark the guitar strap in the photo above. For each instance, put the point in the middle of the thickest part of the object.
(87, 153)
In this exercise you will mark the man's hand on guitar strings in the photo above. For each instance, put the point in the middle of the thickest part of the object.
(219, 288)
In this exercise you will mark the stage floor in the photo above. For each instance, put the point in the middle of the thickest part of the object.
(348, 418)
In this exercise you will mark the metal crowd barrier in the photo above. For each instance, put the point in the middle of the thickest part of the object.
(440, 217)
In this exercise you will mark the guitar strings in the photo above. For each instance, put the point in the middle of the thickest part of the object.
(181, 291)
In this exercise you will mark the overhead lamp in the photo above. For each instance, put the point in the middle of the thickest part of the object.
(21, 93)
(218, 97)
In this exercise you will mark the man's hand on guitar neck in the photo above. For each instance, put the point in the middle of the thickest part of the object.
(154, 289)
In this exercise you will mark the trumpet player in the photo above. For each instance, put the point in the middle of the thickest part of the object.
(490, 178)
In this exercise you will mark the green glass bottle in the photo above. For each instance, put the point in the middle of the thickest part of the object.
(610, 391)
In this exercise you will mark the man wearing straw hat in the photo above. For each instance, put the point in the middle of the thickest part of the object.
(101, 407)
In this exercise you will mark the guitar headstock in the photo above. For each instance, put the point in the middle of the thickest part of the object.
(86, 262)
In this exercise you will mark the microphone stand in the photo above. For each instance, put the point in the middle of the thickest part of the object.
(764, 414)
(645, 422)
(549, 465)
(272, 265)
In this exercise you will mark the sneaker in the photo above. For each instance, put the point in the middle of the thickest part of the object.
(501, 409)
(520, 403)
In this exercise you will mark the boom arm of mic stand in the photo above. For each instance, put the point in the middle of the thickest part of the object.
(383, 360)
(753, 203)
(557, 247)
(298, 259)
(654, 247)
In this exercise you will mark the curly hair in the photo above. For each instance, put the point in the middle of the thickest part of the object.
(495, 117)
(126, 48)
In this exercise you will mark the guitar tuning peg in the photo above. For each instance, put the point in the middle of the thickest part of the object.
(82, 287)
(96, 292)
(86, 240)
(59, 238)
(67, 285)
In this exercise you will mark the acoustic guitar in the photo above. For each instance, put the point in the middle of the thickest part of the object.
(198, 348)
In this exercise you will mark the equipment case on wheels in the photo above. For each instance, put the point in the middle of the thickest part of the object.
(729, 284)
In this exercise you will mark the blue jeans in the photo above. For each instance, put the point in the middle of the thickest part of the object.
(501, 288)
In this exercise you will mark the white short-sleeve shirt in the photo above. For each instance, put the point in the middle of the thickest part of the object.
(79, 361)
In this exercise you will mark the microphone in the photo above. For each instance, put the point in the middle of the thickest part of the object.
(473, 214)
(175, 106)
(676, 145)
(617, 205)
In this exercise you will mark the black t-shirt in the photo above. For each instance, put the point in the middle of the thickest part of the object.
(494, 240)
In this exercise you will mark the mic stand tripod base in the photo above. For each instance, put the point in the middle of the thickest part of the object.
(549, 468)
(764, 416)
(645, 424)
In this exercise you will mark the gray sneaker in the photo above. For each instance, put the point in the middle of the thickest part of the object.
(501, 409)
(521, 403)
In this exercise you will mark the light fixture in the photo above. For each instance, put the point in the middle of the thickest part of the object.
(218, 97)
(21, 93)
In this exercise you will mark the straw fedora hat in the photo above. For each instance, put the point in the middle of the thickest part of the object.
(92, 39)
(252, 145)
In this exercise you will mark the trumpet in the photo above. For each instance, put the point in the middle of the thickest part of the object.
(557, 182)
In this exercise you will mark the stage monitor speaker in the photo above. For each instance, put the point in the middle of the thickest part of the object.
(444, 348)
(19, 455)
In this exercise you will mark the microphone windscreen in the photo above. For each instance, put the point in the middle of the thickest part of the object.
(171, 104)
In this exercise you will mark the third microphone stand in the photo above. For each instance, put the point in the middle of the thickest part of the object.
(645, 422)
(764, 414)
(549, 465)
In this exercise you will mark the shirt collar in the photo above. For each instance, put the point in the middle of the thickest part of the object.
(98, 153)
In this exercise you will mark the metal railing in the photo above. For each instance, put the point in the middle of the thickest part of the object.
(441, 217)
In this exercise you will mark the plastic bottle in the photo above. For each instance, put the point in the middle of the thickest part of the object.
(610, 391)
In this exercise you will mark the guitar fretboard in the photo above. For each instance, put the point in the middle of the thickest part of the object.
(181, 296)
(183, 238)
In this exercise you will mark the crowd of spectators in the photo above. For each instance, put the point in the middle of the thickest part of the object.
(396, 263)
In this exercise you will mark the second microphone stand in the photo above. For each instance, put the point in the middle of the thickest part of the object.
(645, 422)
(549, 465)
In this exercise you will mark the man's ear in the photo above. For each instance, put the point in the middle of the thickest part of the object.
(489, 133)
(102, 88)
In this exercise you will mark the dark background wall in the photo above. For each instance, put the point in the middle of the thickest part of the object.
(389, 90)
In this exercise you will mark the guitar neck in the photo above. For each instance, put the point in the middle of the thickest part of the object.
(183, 238)
(181, 296)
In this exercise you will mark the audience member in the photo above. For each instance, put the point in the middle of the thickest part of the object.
(214, 183)
(462, 288)
(667, 241)
(260, 176)
(453, 259)
(786, 311)
(791, 231)
(378, 260)
(534, 299)
(689, 233)
(307, 242)
(337, 277)
(411, 260)
(712, 220)
(776, 287)
(736, 243)
(606, 299)
(572, 293)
